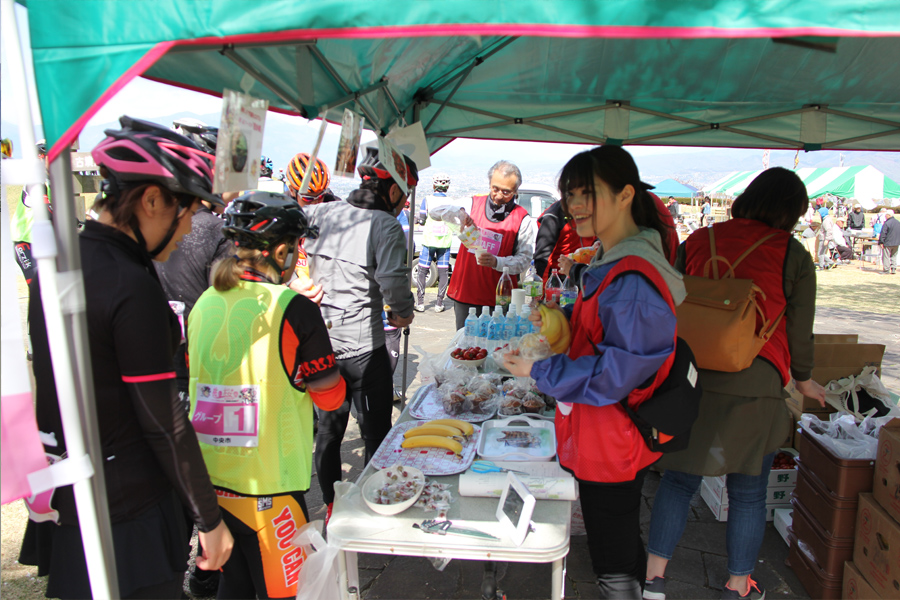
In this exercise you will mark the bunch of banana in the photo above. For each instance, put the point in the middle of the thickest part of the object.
(439, 433)
(555, 328)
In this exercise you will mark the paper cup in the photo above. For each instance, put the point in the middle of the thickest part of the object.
(518, 298)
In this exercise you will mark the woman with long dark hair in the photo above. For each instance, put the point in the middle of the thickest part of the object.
(743, 419)
(623, 345)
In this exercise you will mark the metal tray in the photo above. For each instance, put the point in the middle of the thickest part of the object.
(428, 406)
(431, 461)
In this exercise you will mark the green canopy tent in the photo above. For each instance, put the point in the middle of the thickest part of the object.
(866, 184)
(800, 74)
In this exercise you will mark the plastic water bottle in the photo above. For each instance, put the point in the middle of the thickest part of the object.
(510, 325)
(533, 286)
(471, 328)
(553, 289)
(523, 327)
(504, 289)
(569, 293)
(495, 330)
(483, 322)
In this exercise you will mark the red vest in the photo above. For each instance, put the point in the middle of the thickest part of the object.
(601, 443)
(765, 266)
(568, 242)
(477, 285)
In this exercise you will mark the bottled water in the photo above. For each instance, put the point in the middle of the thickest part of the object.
(483, 322)
(510, 326)
(533, 285)
(569, 293)
(495, 330)
(523, 326)
(471, 328)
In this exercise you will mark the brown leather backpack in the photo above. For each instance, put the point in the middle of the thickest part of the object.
(718, 316)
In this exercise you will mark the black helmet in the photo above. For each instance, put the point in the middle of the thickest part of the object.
(258, 220)
(205, 136)
(371, 167)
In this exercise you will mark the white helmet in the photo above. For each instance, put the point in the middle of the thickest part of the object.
(441, 182)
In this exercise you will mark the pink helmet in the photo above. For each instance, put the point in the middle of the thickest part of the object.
(143, 152)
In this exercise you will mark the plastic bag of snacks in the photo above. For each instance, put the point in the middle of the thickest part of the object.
(534, 346)
(483, 395)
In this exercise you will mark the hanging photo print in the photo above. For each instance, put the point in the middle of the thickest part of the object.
(391, 158)
(348, 148)
(240, 142)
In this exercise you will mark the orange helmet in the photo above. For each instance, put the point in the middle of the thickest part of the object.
(318, 181)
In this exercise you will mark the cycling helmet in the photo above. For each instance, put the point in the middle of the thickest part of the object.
(318, 181)
(203, 135)
(6, 147)
(144, 152)
(441, 182)
(259, 220)
(265, 167)
(372, 167)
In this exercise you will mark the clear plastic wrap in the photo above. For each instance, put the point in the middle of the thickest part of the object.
(534, 346)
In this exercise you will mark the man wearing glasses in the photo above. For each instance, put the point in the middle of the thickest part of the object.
(507, 241)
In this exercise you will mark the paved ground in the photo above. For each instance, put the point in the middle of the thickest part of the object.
(698, 569)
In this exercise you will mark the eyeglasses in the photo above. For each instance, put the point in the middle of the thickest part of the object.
(500, 192)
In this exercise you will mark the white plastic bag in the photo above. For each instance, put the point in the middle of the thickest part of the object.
(843, 436)
(842, 394)
(319, 573)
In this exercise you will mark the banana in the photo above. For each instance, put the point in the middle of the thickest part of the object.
(464, 426)
(549, 324)
(433, 441)
(562, 345)
(432, 428)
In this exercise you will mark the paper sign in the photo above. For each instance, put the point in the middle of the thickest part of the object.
(240, 142)
(227, 415)
(393, 161)
(411, 142)
(348, 147)
(490, 241)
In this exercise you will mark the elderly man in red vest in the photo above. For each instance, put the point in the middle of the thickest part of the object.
(507, 237)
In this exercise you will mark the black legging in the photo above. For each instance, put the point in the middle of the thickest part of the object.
(370, 391)
(612, 518)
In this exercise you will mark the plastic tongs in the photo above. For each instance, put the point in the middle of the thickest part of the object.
(446, 527)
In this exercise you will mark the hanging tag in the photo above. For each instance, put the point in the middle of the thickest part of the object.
(391, 158)
(240, 142)
(247, 82)
(348, 148)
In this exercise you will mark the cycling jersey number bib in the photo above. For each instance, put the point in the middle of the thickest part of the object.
(227, 415)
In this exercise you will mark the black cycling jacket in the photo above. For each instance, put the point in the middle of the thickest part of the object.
(148, 443)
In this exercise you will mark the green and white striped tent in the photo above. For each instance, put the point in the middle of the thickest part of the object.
(866, 184)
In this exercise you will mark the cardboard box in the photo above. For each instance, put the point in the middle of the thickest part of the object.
(877, 547)
(886, 485)
(783, 520)
(720, 511)
(855, 585)
(778, 478)
(774, 494)
(836, 338)
(834, 361)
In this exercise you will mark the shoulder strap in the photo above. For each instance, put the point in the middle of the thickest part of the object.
(715, 258)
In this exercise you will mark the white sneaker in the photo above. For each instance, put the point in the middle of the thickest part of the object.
(419, 308)
(439, 308)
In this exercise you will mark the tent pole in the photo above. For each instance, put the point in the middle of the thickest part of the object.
(75, 322)
(409, 258)
(323, 62)
(462, 79)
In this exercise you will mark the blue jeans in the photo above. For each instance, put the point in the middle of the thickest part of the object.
(746, 515)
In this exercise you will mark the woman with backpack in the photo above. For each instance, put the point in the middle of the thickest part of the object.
(623, 346)
(260, 357)
(743, 419)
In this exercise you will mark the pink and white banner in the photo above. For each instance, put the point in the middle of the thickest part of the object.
(21, 451)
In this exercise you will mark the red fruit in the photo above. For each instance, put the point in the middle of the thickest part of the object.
(469, 354)
(481, 354)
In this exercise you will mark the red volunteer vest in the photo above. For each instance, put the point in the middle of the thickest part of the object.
(477, 285)
(568, 242)
(601, 443)
(765, 266)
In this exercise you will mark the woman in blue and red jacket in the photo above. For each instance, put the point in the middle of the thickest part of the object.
(623, 345)
(743, 419)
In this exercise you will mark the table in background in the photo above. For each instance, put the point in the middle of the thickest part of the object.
(378, 534)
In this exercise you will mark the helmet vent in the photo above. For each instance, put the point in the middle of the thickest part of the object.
(125, 154)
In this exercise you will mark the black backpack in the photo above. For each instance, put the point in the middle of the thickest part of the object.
(664, 420)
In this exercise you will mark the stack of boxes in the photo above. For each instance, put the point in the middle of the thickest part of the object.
(781, 484)
(824, 517)
(875, 570)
